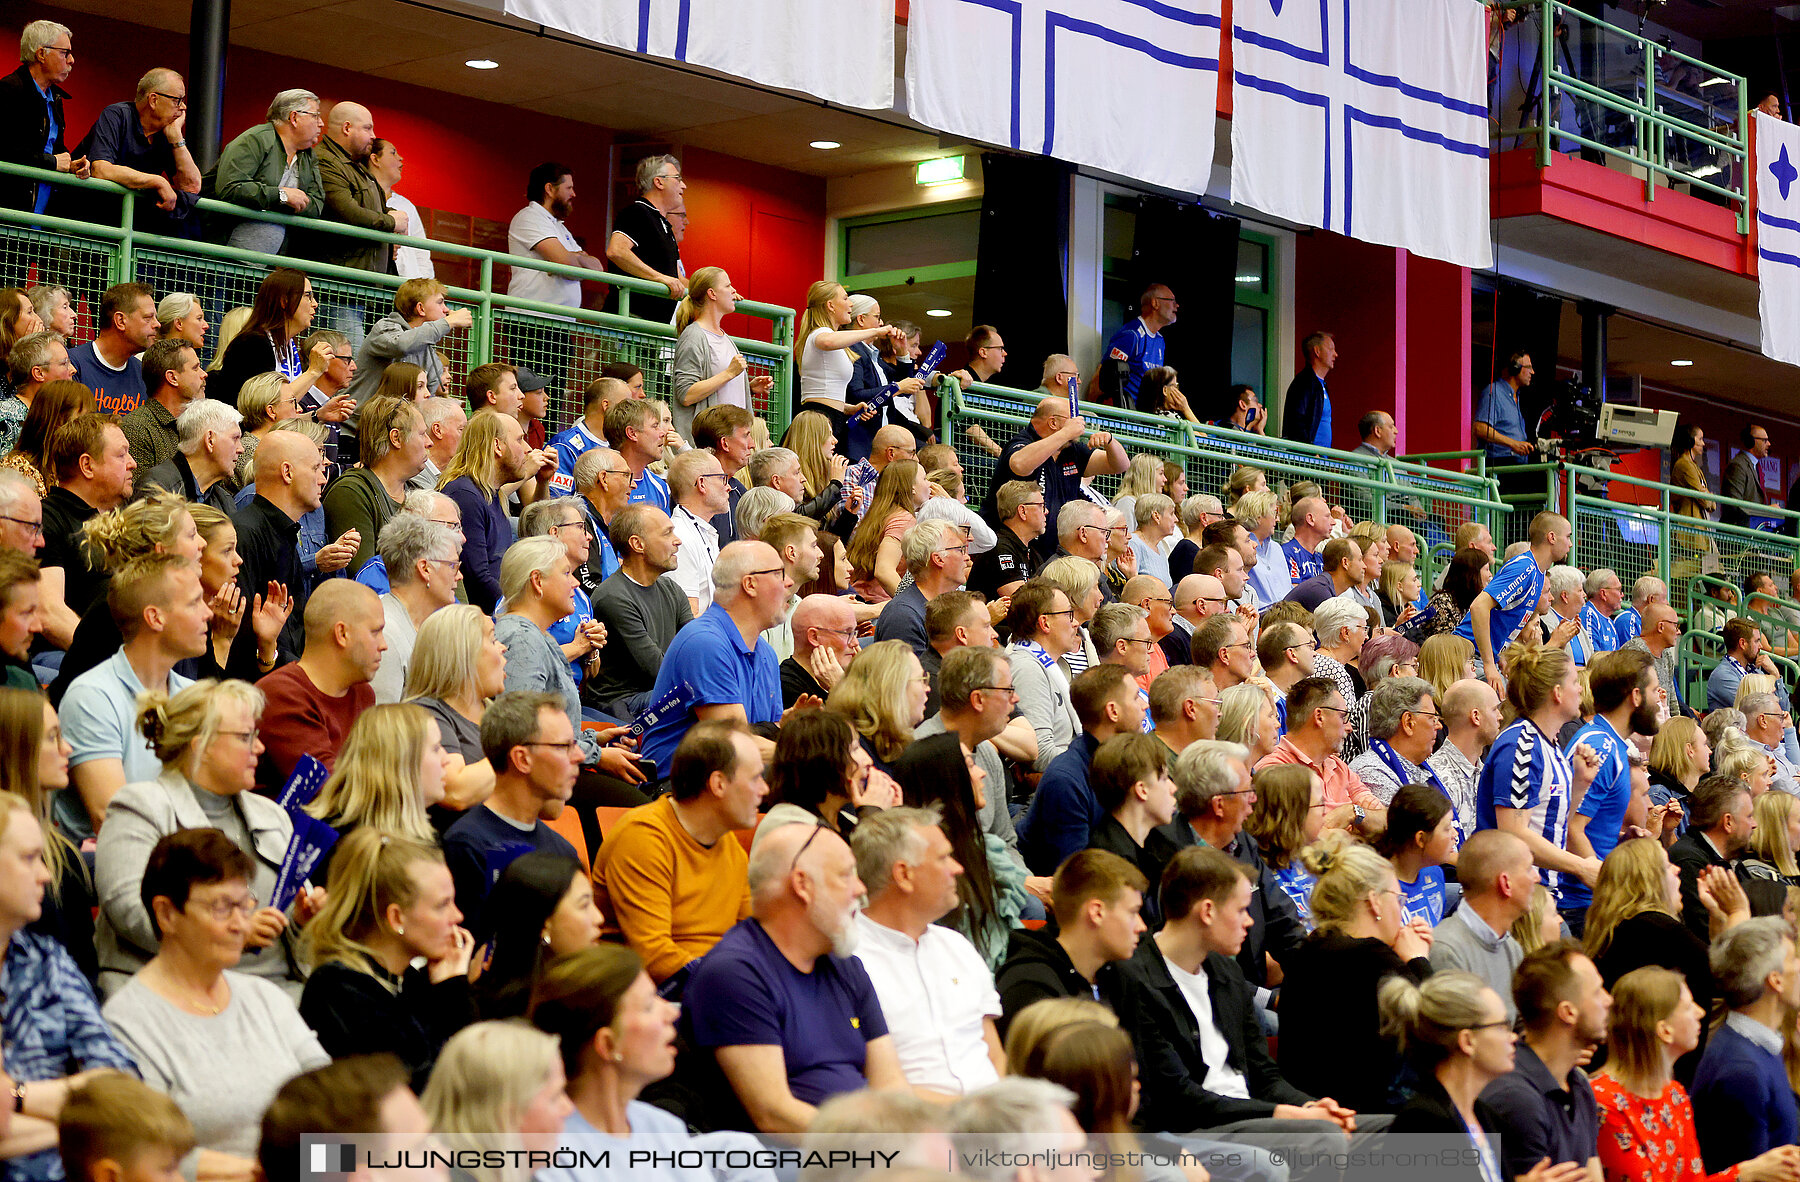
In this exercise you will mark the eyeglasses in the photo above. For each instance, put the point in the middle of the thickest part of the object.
(1148, 644)
(568, 748)
(68, 53)
(964, 549)
(180, 100)
(1335, 710)
(710, 476)
(220, 909)
(1000, 689)
(1431, 714)
(1307, 644)
(1067, 611)
(452, 524)
(1235, 644)
(311, 114)
(36, 527)
(799, 853)
(778, 570)
(1211, 599)
(249, 737)
(669, 176)
(343, 357)
(1158, 599)
(847, 633)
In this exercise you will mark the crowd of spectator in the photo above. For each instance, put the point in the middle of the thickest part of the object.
(935, 818)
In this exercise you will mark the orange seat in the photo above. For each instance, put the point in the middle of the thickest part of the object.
(1032, 925)
(568, 823)
(745, 837)
(609, 817)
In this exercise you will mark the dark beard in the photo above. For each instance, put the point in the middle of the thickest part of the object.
(1643, 720)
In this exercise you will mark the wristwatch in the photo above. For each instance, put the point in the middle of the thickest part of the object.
(1361, 816)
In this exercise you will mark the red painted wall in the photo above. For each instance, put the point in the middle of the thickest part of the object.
(469, 157)
(1439, 341)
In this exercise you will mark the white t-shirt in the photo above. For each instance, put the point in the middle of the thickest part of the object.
(529, 227)
(694, 561)
(736, 392)
(411, 262)
(936, 995)
(1220, 1079)
(824, 373)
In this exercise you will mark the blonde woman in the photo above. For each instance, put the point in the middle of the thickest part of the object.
(882, 696)
(491, 455)
(206, 737)
(498, 1085)
(457, 666)
(266, 614)
(1741, 759)
(1078, 579)
(1541, 924)
(1399, 592)
(389, 771)
(1330, 1034)
(709, 369)
(264, 402)
(1679, 756)
(822, 466)
(1444, 660)
(1144, 474)
(1245, 478)
(825, 362)
(230, 325)
(1247, 715)
(876, 562)
(1031, 1028)
(390, 904)
(1773, 841)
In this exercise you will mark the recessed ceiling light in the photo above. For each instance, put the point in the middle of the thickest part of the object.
(482, 63)
(1249, 278)
(825, 145)
(1681, 364)
(938, 312)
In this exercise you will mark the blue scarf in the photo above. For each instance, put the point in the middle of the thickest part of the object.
(1391, 758)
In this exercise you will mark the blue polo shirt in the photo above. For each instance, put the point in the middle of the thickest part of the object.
(1514, 590)
(1603, 804)
(1498, 407)
(1140, 349)
(709, 655)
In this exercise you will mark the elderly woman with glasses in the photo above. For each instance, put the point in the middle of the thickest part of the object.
(218, 1041)
(206, 737)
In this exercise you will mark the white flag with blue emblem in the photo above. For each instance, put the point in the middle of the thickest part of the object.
(1778, 235)
(842, 53)
(1365, 117)
(1128, 86)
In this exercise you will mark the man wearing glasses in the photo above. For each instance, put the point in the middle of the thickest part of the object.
(271, 166)
(1135, 348)
(1765, 722)
(32, 99)
(1196, 597)
(642, 242)
(998, 572)
(142, 145)
(1318, 719)
(937, 554)
(701, 493)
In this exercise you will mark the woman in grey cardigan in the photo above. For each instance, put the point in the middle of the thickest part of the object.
(205, 735)
(709, 370)
(410, 333)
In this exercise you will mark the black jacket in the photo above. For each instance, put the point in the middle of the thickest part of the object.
(1431, 1111)
(1165, 1035)
(1304, 407)
(1331, 1042)
(360, 1013)
(24, 123)
(1275, 925)
(267, 539)
(1692, 853)
(1036, 967)
(1111, 836)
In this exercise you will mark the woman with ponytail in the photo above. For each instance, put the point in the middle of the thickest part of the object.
(1528, 785)
(389, 903)
(826, 362)
(709, 369)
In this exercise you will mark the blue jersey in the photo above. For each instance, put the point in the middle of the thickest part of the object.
(1302, 563)
(569, 445)
(1600, 630)
(1514, 590)
(1603, 804)
(1526, 770)
(1297, 882)
(1627, 624)
(1140, 349)
(1423, 898)
(652, 489)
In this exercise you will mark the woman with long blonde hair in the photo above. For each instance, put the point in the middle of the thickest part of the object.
(1247, 715)
(824, 361)
(1245, 478)
(457, 665)
(389, 771)
(1679, 756)
(390, 903)
(34, 762)
(810, 437)
(498, 1086)
(876, 563)
(1772, 841)
(882, 695)
(1444, 660)
(709, 368)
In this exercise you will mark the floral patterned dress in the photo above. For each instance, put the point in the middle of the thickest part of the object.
(1650, 1140)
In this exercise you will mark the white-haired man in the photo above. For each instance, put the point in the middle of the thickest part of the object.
(1629, 621)
(209, 440)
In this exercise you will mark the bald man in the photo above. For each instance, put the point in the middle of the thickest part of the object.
(310, 703)
(1049, 450)
(1661, 638)
(1196, 597)
(824, 642)
(352, 195)
(889, 444)
(290, 481)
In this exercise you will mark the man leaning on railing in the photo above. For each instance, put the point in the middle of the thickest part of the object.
(142, 145)
(31, 113)
(271, 166)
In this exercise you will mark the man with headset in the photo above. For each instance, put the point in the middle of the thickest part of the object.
(1499, 420)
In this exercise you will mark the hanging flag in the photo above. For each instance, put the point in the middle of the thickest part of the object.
(1128, 86)
(1365, 117)
(1778, 235)
(839, 52)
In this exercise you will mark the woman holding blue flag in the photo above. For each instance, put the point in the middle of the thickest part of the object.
(206, 737)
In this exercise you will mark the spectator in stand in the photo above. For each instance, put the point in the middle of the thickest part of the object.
(1720, 821)
(1155, 523)
(217, 1040)
(528, 740)
(162, 616)
(272, 166)
(270, 340)
(1306, 407)
(1043, 630)
(1403, 725)
(32, 98)
(633, 430)
(385, 165)
(882, 694)
(643, 243)
(1622, 688)
(208, 442)
(642, 611)
(1497, 877)
(1048, 452)
(1121, 636)
(577, 632)
(1221, 648)
(319, 696)
(491, 455)
(709, 369)
(1340, 570)
(1470, 712)
(457, 666)
(824, 634)
(1629, 621)
(1317, 722)
(544, 904)
(127, 325)
(180, 380)
(541, 229)
(360, 1095)
(445, 421)
(1401, 588)
(987, 354)
(1429, 1022)
(1268, 579)
(877, 561)
(1499, 421)
(1465, 577)
(1745, 653)
(1133, 349)
(670, 878)
(205, 736)
(180, 316)
(586, 433)
(1689, 471)
(410, 333)
(822, 470)
(725, 431)
(326, 401)
(888, 446)
(602, 485)
(698, 484)
(1096, 898)
(1743, 476)
(290, 476)
(1020, 507)
(116, 1124)
(1742, 1102)
(92, 465)
(419, 557)
(784, 1044)
(36, 359)
(937, 566)
(1312, 521)
(1184, 707)
(1499, 611)
(52, 305)
(1064, 810)
(142, 145)
(390, 905)
(795, 541)
(733, 672)
(364, 499)
(390, 771)
(1604, 592)
(1647, 1122)
(352, 195)
(1418, 840)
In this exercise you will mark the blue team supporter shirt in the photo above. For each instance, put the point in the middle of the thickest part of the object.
(746, 993)
(1601, 630)
(1423, 898)
(1525, 769)
(1140, 349)
(652, 489)
(569, 446)
(1303, 564)
(709, 655)
(1603, 804)
(1514, 590)
(1627, 625)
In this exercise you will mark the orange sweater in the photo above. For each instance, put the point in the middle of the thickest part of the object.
(670, 897)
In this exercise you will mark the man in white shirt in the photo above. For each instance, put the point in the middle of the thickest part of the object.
(935, 990)
(1764, 723)
(698, 484)
(540, 229)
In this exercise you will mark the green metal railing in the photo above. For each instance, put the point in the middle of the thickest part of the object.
(565, 345)
(1433, 502)
(1672, 115)
(1704, 647)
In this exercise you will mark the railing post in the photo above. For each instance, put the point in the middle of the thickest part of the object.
(1546, 99)
(481, 342)
(1664, 543)
(125, 260)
